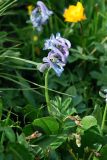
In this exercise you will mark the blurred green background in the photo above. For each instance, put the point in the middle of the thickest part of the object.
(22, 97)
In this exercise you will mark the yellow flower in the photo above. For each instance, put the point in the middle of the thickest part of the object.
(35, 38)
(30, 8)
(74, 13)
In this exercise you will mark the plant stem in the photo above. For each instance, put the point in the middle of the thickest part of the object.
(71, 152)
(46, 90)
(104, 117)
(32, 39)
(67, 29)
(90, 156)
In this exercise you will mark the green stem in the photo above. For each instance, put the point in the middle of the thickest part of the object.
(81, 1)
(104, 117)
(33, 45)
(71, 152)
(67, 29)
(46, 90)
(81, 28)
(90, 156)
(50, 20)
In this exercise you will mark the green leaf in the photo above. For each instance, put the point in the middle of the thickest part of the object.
(55, 112)
(60, 108)
(19, 152)
(1, 107)
(95, 158)
(88, 122)
(77, 100)
(22, 140)
(58, 141)
(10, 134)
(52, 141)
(72, 91)
(81, 108)
(65, 104)
(103, 153)
(68, 124)
(97, 113)
(38, 152)
(91, 137)
(48, 124)
(28, 129)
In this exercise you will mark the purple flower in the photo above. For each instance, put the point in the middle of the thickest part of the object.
(40, 15)
(59, 45)
(57, 57)
(52, 61)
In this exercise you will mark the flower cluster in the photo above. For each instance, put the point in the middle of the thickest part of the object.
(40, 15)
(57, 57)
(74, 13)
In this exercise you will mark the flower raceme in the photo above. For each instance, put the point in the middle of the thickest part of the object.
(74, 13)
(59, 45)
(58, 55)
(40, 15)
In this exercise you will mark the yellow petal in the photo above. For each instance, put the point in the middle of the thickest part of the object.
(74, 13)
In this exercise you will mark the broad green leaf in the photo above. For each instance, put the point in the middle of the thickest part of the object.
(91, 137)
(22, 140)
(58, 141)
(68, 124)
(48, 124)
(88, 122)
(76, 100)
(81, 108)
(10, 134)
(52, 141)
(71, 91)
(28, 129)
